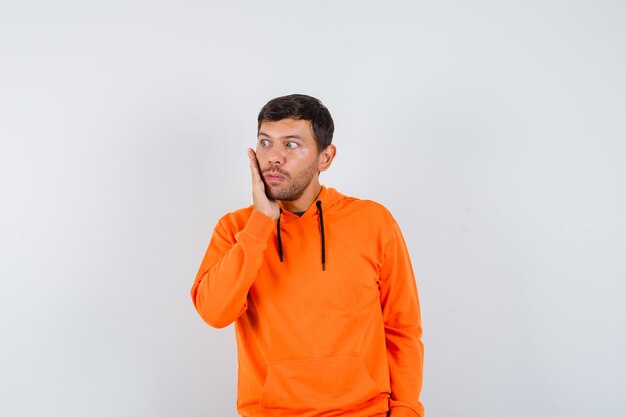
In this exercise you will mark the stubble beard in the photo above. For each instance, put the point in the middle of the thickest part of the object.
(296, 186)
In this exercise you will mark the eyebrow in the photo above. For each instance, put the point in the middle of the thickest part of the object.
(282, 137)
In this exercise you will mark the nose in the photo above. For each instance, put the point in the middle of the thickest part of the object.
(275, 156)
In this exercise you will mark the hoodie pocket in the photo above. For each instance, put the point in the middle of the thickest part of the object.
(334, 383)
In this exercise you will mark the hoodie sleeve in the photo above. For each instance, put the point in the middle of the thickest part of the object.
(229, 267)
(403, 329)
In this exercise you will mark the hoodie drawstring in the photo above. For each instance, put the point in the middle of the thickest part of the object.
(280, 242)
(319, 210)
(321, 217)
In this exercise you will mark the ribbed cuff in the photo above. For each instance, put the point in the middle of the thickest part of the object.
(403, 412)
(259, 225)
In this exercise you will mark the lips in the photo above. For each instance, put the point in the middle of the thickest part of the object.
(275, 174)
(274, 177)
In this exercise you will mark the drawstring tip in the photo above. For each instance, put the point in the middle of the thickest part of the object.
(323, 267)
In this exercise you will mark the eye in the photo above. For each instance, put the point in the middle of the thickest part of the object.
(291, 145)
(264, 142)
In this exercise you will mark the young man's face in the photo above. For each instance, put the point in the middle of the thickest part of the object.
(288, 158)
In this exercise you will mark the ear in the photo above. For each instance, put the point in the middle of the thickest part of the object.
(326, 158)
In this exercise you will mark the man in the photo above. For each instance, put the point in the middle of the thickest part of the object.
(320, 285)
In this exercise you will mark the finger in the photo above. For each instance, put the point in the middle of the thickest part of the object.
(254, 166)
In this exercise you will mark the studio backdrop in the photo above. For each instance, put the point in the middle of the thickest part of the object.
(494, 131)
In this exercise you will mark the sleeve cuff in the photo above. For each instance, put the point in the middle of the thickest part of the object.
(259, 225)
(403, 412)
(403, 409)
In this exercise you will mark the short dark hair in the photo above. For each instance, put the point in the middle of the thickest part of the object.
(301, 107)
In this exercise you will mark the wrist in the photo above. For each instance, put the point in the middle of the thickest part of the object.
(268, 213)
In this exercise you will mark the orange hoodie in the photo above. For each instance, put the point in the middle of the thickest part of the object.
(332, 329)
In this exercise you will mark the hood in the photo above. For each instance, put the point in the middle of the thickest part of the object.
(326, 200)
(328, 197)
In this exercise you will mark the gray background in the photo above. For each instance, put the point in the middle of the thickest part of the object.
(494, 131)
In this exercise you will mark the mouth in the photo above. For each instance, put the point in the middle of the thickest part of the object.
(272, 176)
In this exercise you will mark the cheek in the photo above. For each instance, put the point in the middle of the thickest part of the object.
(301, 153)
(261, 154)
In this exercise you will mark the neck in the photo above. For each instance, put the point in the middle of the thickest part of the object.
(305, 200)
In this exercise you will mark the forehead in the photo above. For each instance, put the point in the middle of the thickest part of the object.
(287, 128)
